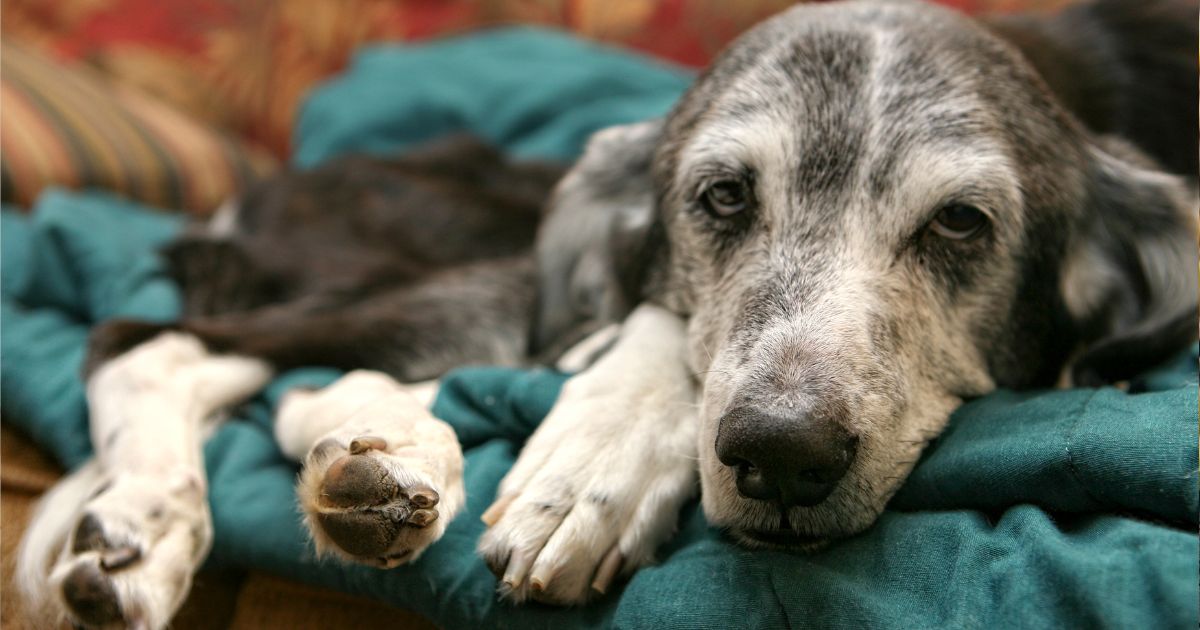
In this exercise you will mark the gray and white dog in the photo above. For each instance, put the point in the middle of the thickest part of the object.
(862, 214)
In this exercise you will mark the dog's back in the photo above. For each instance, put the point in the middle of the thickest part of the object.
(1123, 67)
(360, 223)
(409, 265)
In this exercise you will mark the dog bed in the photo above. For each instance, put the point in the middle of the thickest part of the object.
(1065, 508)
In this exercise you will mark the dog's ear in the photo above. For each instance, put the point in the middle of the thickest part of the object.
(1130, 281)
(593, 245)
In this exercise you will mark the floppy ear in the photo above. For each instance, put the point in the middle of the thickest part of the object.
(594, 244)
(1130, 282)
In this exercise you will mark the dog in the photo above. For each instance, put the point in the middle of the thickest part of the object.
(861, 215)
(395, 269)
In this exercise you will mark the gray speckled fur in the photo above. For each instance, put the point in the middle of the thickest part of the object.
(857, 121)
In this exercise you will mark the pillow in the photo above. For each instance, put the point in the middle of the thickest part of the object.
(66, 126)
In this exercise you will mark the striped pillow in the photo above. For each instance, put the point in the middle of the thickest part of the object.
(67, 126)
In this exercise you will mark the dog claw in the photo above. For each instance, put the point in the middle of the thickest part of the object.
(322, 448)
(497, 509)
(381, 485)
(365, 443)
(425, 498)
(518, 565)
(116, 559)
(540, 578)
(608, 570)
(422, 518)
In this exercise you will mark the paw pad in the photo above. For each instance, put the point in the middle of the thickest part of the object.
(89, 536)
(364, 508)
(381, 486)
(357, 480)
(91, 596)
(360, 533)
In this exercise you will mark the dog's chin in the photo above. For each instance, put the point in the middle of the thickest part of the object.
(779, 540)
(756, 524)
(762, 525)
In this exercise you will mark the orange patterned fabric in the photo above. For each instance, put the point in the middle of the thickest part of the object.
(246, 64)
(71, 128)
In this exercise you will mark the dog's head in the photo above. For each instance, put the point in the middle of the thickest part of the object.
(871, 212)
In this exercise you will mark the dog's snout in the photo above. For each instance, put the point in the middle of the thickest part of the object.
(791, 458)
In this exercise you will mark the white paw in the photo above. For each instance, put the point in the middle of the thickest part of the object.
(129, 559)
(595, 491)
(380, 487)
(141, 526)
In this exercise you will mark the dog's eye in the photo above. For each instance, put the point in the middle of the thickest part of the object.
(959, 222)
(726, 198)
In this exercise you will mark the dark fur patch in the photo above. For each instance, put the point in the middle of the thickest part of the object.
(116, 337)
(1123, 357)
(830, 70)
(220, 276)
(1124, 68)
(409, 265)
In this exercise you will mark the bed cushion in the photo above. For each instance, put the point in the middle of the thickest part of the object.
(68, 126)
(1045, 509)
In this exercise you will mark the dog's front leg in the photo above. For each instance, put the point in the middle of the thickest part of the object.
(382, 477)
(599, 485)
(116, 545)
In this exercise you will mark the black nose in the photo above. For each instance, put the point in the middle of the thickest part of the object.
(793, 458)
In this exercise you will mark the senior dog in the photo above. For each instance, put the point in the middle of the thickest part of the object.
(862, 214)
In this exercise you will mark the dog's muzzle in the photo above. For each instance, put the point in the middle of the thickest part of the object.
(790, 457)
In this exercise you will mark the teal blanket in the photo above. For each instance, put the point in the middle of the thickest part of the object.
(1048, 509)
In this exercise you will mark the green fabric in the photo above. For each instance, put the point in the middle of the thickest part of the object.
(536, 93)
(1051, 509)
